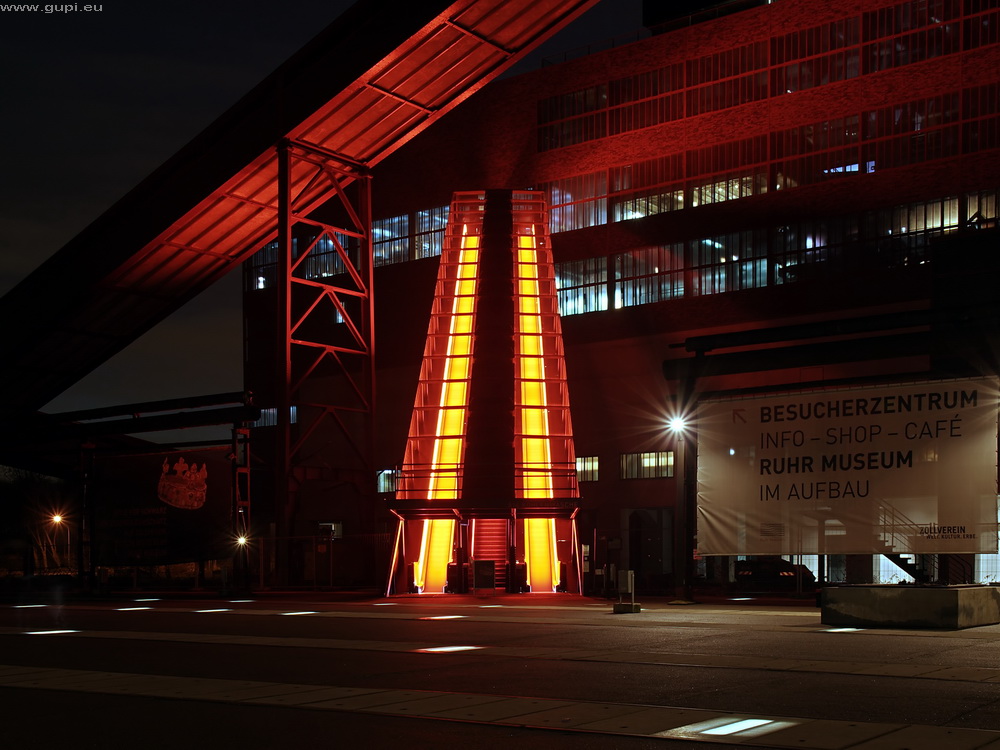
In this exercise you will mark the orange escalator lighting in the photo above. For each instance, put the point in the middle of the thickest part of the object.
(443, 479)
(541, 557)
(435, 479)
(431, 568)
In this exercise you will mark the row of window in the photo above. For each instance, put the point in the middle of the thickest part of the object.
(897, 237)
(648, 465)
(797, 45)
(907, 33)
(894, 136)
(897, 135)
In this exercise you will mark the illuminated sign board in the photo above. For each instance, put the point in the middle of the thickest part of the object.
(893, 469)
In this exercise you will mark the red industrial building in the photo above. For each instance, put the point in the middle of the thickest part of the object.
(763, 197)
(747, 202)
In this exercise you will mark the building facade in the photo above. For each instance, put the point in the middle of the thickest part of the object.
(801, 194)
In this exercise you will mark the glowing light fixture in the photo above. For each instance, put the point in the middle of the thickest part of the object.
(50, 632)
(445, 617)
(737, 727)
(446, 649)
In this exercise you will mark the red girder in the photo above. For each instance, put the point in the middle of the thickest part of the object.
(362, 88)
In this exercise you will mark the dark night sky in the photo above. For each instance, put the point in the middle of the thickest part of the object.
(93, 102)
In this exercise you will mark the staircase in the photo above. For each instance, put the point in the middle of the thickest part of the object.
(896, 529)
(490, 543)
(908, 564)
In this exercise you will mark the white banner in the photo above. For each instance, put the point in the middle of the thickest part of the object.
(893, 469)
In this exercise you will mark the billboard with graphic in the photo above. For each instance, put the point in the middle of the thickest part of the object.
(162, 508)
(879, 470)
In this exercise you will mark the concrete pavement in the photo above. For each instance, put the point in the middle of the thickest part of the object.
(938, 690)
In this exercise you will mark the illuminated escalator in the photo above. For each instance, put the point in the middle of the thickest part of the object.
(431, 574)
(540, 554)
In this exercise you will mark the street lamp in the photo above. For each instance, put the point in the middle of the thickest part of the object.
(241, 564)
(58, 519)
(684, 510)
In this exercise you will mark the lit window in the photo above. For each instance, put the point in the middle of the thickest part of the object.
(653, 465)
(391, 240)
(386, 480)
(582, 286)
(269, 417)
(429, 235)
(586, 468)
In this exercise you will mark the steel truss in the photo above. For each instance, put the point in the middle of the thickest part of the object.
(324, 384)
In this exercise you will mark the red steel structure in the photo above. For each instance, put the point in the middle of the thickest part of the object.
(489, 473)
(363, 87)
(305, 138)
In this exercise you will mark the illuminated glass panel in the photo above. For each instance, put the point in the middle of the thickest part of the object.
(391, 240)
(428, 237)
(386, 480)
(582, 286)
(651, 465)
(649, 275)
(587, 468)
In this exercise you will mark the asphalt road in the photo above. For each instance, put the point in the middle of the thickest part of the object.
(280, 670)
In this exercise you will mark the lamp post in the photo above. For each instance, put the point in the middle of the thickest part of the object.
(684, 510)
(60, 522)
(241, 564)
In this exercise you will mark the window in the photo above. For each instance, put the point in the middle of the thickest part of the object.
(582, 286)
(988, 565)
(331, 529)
(391, 240)
(586, 468)
(730, 262)
(429, 236)
(385, 480)
(324, 258)
(577, 202)
(649, 275)
(269, 417)
(655, 465)
(983, 209)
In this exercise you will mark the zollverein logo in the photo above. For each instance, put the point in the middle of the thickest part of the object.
(934, 531)
(186, 487)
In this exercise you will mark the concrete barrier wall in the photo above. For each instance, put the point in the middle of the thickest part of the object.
(951, 607)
